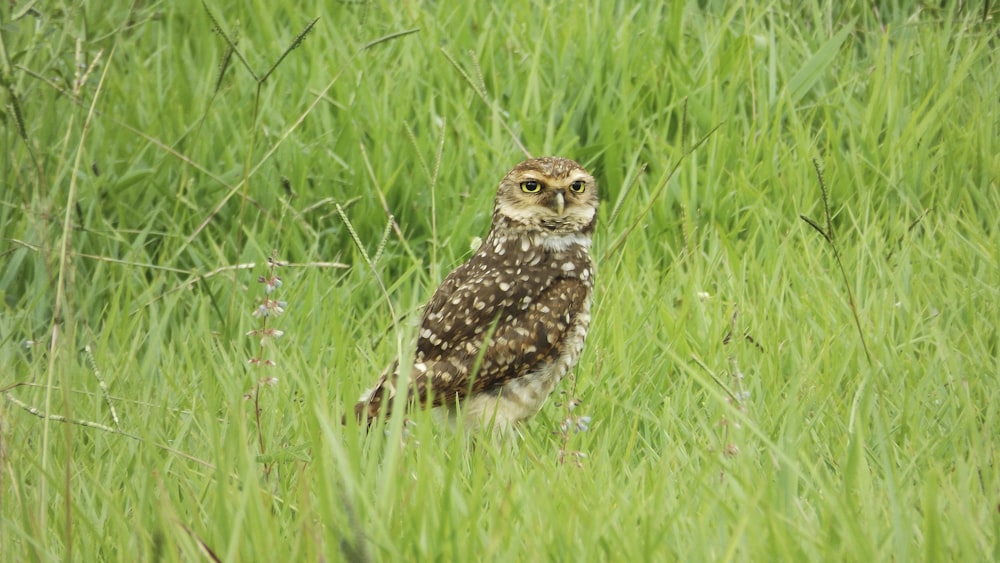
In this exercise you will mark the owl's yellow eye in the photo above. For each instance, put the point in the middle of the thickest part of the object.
(530, 187)
(578, 186)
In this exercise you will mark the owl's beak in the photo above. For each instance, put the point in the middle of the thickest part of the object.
(560, 203)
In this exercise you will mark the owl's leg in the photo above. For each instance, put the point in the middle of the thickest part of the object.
(495, 413)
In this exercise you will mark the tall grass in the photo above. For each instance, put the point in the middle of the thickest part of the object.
(155, 155)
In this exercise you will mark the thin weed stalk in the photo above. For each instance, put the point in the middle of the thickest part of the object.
(268, 308)
(368, 260)
(88, 351)
(572, 423)
(259, 80)
(828, 235)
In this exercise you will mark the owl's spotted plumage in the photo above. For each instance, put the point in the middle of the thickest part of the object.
(526, 293)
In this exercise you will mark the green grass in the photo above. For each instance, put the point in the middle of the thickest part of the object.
(136, 180)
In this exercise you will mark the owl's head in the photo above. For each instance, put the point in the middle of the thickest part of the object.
(548, 195)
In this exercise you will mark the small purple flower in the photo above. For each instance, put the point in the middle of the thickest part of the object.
(271, 283)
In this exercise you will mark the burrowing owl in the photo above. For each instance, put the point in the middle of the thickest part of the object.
(507, 325)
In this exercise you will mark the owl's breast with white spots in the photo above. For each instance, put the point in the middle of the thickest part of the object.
(522, 398)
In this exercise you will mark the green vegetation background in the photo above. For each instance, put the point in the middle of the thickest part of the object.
(757, 388)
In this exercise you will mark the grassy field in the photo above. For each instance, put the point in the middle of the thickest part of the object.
(795, 337)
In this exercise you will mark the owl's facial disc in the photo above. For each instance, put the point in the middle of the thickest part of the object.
(551, 195)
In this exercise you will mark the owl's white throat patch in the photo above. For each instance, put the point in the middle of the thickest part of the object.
(561, 243)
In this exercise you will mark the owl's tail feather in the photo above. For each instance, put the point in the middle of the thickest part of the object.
(367, 409)
(376, 399)
(379, 399)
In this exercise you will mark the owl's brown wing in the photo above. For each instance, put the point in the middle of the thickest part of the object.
(525, 312)
(520, 337)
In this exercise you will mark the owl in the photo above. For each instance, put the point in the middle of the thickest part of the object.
(504, 327)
